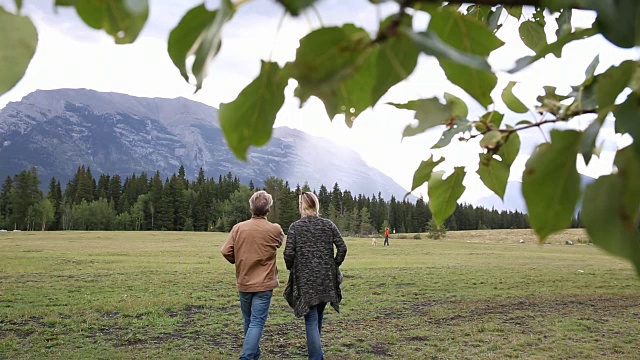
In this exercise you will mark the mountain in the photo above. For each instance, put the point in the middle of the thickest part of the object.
(513, 199)
(58, 130)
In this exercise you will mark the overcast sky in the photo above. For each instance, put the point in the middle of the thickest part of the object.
(71, 55)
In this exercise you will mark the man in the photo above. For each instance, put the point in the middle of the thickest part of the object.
(251, 246)
(386, 237)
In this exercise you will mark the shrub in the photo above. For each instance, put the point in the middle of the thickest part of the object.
(435, 232)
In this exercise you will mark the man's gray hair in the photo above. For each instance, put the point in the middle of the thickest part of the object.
(260, 203)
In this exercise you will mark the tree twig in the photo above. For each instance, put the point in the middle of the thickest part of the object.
(576, 4)
(393, 26)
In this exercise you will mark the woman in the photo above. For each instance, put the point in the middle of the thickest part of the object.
(314, 278)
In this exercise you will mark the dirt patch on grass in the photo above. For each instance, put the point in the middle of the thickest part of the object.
(519, 312)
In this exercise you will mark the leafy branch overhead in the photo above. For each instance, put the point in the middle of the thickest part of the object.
(350, 69)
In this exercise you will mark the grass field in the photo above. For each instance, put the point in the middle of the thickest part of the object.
(473, 295)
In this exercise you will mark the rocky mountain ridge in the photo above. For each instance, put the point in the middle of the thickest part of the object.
(58, 130)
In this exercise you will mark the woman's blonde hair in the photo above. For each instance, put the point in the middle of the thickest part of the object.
(309, 205)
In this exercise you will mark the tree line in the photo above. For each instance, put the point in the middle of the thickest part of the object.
(139, 202)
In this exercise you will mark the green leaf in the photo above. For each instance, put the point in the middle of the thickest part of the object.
(457, 124)
(122, 19)
(429, 113)
(444, 193)
(423, 172)
(628, 119)
(486, 15)
(551, 184)
(17, 45)
(512, 102)
(460, 126)
(564, 24)
(634, 83)
(550, 101)
(610, 209)
(510, 149)
(18, 4)
(198, 34)
(610, 84)
(382, 66)
(591, 70)
(459, 107)
(538, 16)
(585, 97)
(470, 36)
(533, 35)
(618, 22)
(590, 136)
(492, 118)
(248, 120)
(494, 18)
(429, 43)
(553, 48)
(395, 61)
(494, 172)
(491, 139)
(326, 59)
(294, 7)
(515, 11)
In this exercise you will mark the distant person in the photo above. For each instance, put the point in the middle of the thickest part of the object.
(251, 246)
(386, 237)
(314, 275)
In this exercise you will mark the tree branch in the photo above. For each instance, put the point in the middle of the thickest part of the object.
(392, 28)
(575, 4)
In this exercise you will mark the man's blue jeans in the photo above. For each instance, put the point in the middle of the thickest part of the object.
(255, 309)
(313, 328)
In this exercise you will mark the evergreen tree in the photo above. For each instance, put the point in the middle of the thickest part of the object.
(5, 202)
(115, 191)
(179, 204)
(435, 232)
(155, 197)
(55, 199)
(200, 181)
(164, 212)
(92, 182)
(288, 207)
(26, 194)
(393, 221)
(324, 199)
(420, 216)
(103, 187)
(276, 188)
(84, 186)
(307, 188)
(365, 222)
(355, 223)
(336, 199)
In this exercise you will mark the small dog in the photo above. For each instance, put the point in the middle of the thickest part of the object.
(374, 242)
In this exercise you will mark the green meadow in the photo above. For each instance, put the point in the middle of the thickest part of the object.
(170, 295)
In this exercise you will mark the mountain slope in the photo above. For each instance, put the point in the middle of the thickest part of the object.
(58, 130)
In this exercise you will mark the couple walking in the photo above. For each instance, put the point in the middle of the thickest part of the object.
(314, 276)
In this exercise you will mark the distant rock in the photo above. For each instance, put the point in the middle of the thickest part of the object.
(521, 241)
(568, 242)
(56, 131)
